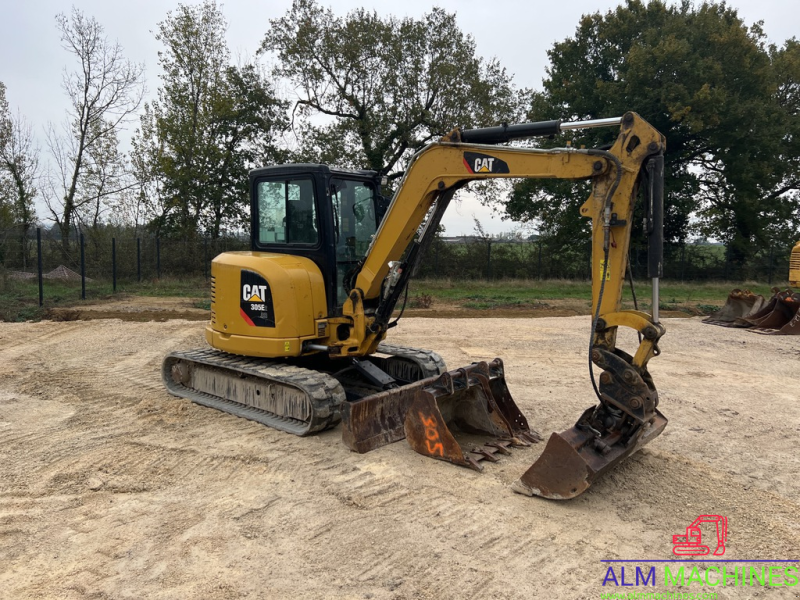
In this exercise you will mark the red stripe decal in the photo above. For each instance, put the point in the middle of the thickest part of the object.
(247, 319)
(466, 164)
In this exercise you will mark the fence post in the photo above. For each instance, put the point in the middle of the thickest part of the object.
(489, 259)
(158, 258)
(205, 258)
(727, 261)
(683, 262)
(39, 260)
(114, 262)
(139, 259)
(771, 261)
(83, 271)
(539, 269)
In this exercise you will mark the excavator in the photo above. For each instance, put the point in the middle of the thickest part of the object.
(690, 543)
(298, 323)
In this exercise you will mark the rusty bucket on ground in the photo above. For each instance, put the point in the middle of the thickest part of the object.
(448, 417)
(784, 319)
(625, 420)
(472, 401)
(738, 305)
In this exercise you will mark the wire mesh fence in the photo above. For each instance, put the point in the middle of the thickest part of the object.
(112, 254)
(476, 258)
(124, 255)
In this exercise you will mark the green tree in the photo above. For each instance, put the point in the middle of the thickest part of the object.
(386, 86)
(720, 95)
(19, 166)
(211, 122)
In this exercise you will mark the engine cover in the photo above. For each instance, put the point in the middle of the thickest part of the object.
(264, 304)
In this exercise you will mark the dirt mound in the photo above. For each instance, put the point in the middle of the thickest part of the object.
(65, 274)
(60, 272)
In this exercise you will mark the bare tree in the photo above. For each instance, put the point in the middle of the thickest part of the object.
(104, 91)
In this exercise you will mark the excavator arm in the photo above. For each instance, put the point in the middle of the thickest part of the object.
(626, 417)
(442, 168)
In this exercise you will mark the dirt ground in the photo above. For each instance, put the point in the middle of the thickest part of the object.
(111, 488)
(143, 308)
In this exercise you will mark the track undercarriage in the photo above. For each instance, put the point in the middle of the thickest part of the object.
(300, 397)
(464, 416)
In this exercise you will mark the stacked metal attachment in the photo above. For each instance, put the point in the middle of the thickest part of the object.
(776, 316)
(464, 416)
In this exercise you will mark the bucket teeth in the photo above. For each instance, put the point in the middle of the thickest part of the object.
(485, 453)
(499, 446)
(469, 401)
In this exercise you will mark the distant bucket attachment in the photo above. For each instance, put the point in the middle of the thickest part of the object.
(752, 318)
(739, 305)
(442, 416)
(784, 319)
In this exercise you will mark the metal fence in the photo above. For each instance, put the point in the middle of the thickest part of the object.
(109, 256)
(500, 259)
(123, 255)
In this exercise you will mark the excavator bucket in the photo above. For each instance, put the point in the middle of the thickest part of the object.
(784, 319)
(466, 403)
(448, 417)
(739, 304)
(755, 316)
(606, 434)
(575, 458)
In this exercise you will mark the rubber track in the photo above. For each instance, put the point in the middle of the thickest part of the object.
(325, 393)
(429, 361)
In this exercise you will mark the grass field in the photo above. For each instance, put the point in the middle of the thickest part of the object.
(694, 297)
(19, 299)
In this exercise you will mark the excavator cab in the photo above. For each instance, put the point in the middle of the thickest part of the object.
(328, 216)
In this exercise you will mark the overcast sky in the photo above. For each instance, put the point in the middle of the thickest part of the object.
(517, 32)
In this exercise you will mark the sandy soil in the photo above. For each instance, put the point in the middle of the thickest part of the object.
(144, 308)
(111, 488)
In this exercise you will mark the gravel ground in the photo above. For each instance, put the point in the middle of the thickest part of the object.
(111, 488)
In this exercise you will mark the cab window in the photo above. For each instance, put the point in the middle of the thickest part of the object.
(287, 212)
(354, 204)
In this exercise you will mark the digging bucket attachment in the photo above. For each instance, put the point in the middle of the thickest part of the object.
(738, 305)
(784, 319)
(625, 420)
(783, 310)
(751, 319)
(432, 413)
(475, 402)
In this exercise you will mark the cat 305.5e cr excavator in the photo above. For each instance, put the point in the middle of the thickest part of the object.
(297, 324)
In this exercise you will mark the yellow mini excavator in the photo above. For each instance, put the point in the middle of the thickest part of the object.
(298, 323)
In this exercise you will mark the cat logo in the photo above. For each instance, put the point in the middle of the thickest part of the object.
(254, 293)
(483, 163)
(255, 303)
